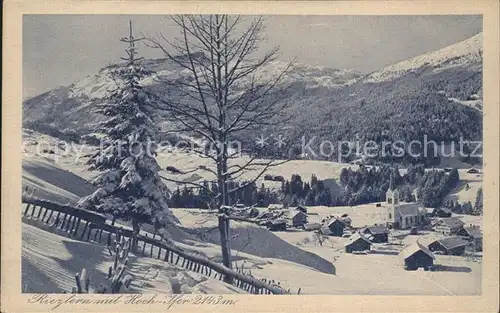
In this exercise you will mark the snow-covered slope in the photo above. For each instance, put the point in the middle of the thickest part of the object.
(71, 107)
(465, 53)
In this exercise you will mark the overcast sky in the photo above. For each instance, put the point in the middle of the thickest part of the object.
(61, 49)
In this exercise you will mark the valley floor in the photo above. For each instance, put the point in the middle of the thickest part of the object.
(49, 261)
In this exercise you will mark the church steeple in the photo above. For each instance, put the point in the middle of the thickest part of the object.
(392, 194)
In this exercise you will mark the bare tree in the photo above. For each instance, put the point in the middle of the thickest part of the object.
(222, 92)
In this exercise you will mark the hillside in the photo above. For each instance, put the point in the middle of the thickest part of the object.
(438, 95)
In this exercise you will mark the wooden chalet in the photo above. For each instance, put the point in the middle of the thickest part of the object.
(415, 256)
(448, 226)
(335, 227)
(276, 225)
(297, 218)
(472, 233)
(358, 242)
(376, 234)
(449, 245)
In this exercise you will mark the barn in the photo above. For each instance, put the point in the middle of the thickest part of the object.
(448, 226)
(450, 245)
(415, 255)
(358, 242)
(335, 226)
(474, 234)
(297, 218)
(276, 225)
(376, 234)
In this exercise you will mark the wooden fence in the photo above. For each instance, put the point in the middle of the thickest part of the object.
(91, 226)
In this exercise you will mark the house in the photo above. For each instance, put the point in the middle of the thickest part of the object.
(335, 227)
(401, 215)
(301, 208)
(441, 212)
(473, 171)
(276, 225)
(472, 233)
(358, 242)
(415, 256)
(449, 245)
(448, 226)
(376, 234)
(296, 218)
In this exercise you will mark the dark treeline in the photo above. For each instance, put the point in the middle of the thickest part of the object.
(248, 194)
(361, 186)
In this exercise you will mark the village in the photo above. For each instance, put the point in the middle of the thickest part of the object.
(416, 234)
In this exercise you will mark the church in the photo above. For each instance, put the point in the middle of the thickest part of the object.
(401, 215)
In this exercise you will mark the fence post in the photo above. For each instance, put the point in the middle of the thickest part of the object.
(75, 228)
(27, 208)
(84, 229)
(49, 217)
(44, 214)
(39, 213)
(144, 246)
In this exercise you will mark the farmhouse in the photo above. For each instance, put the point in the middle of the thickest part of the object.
(401, 215)
(474, 234)
(335, 227)
(450, 245)
(376, 234)
(276, 225)
(448, 226)
(297, 218)
(415, 255)
(358, 242)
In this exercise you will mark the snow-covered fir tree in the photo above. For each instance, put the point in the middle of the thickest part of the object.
(129, 185)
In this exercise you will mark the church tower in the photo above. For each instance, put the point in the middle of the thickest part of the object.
(392, 195)
(391, 203)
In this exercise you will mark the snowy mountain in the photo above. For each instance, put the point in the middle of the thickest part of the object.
(467, 53)
(438, 94)
(71, 107)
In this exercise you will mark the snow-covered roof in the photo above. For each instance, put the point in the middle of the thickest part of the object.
(452, 242)
(452, 222)
(474, 232)
(377, 230)
(355, 237)
(411, 249)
